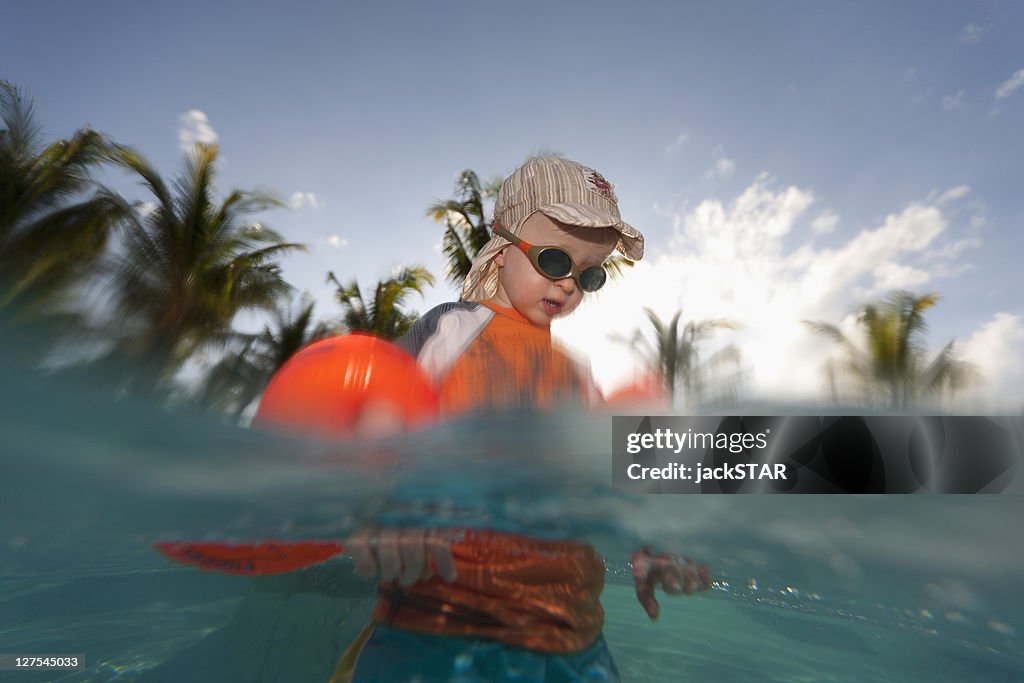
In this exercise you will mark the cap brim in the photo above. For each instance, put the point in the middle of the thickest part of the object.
(631, 241)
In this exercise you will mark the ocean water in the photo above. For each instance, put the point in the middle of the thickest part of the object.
(807, 588)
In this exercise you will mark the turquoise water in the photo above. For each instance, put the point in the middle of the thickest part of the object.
(813, 588)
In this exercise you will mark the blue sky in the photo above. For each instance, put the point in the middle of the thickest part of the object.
(785, 160)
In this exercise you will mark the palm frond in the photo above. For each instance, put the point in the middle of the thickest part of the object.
(467, 228)
(191, 265)
(382, 315)
(891, 371)
(676, 355)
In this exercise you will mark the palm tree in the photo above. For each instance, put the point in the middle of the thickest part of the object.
(674, 355)
(187, 266)
(467, 228)
(890, 366)
(383, 315)
(54, 223)
(238, 378)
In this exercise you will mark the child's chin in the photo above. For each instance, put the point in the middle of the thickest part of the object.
(539, 318)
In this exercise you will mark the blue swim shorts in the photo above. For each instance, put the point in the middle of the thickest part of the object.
(391, 655)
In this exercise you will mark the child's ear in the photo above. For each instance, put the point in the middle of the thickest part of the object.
(499, 259)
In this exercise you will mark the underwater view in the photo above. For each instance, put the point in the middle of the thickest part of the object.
(378, 342)
(333, 334)
(806, 588)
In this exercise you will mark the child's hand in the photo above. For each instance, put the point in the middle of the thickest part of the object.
(409, 555)
(675, 574)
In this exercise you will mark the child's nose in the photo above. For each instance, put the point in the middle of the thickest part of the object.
(566, 284)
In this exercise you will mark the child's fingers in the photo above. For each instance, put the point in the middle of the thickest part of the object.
(693, 582)
(389, 559)
(644, 579)
(675, 575)
(413, 557)
(645, 594)
(408, 555)
(441, 553)
(705, 576)
(358, 546)
(685, 576)
(696, 577)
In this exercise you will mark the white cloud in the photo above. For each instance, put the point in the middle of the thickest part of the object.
(997, 351)
(890, 275)
(336, 241)
(733, 260)
(952, 250)
(975, 209)
(825, 223)
(677, 144)
(299, 200)
(722, 167)
(951, 269)
(1010, 85)
(194, 127)
(951, 102)
(952, 194)
(971, 34)
(909, 73)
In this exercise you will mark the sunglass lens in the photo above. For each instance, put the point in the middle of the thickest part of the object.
(592, 279)
(554, 262)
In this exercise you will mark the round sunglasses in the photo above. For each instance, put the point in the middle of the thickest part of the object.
(555, 263)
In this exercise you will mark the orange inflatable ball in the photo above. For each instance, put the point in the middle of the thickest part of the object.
(329, 388)
(645, 393)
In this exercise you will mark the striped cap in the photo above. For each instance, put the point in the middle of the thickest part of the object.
(564, 190)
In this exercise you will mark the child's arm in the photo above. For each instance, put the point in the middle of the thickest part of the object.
(675, 574)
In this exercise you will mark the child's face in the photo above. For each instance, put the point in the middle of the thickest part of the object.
(537, 298)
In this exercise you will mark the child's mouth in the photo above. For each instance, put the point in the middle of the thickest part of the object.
(552, 308)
